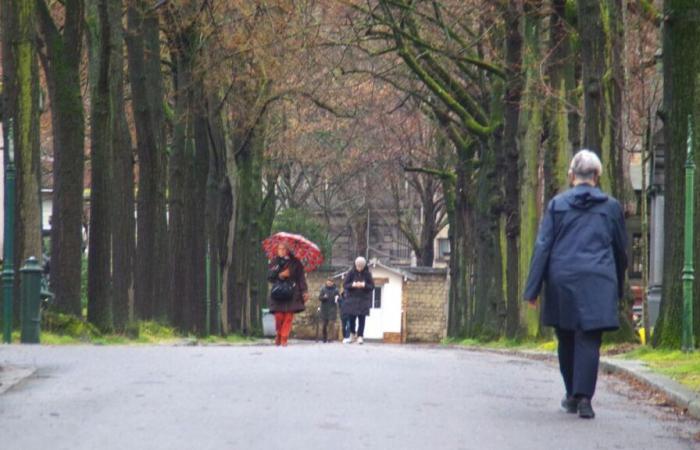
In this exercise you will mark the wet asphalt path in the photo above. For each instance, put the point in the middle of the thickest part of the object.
(312, 396)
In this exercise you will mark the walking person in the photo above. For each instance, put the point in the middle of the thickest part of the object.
(358, 286)
(289, 292)
(580, 256)
(329, 306)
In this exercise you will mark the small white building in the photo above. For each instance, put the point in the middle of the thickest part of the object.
(386, 315)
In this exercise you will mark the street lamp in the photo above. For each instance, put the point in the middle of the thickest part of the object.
(8, 271)
(687, 343)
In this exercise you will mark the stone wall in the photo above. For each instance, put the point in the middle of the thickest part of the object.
(425, 307)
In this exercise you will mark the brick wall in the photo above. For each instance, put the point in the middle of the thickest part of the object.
(426, 305)
(306, 323)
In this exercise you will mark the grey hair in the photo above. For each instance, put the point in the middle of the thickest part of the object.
(585, 166)
(360, 262)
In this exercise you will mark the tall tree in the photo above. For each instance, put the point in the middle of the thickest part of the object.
(681, 99)
(21, 105)
(151, 292)
(61, 60)
(513, 12)
(602, 35)
(111, 246)
(123, 204)
(101, 180)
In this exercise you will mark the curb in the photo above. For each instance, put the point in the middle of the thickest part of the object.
(676, 393)
(11, 376)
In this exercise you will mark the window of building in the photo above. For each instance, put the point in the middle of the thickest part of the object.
(443, 248)
(636, 265)
(377, 298)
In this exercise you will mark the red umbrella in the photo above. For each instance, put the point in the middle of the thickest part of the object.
(306, 251)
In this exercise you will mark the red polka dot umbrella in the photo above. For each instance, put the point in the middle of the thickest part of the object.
(308, 253)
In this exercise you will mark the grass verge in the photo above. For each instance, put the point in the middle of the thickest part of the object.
(682, 367)
(679, 366)
(61, 329)
(505, 344)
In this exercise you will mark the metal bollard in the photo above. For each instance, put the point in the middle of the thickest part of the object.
(30, 279)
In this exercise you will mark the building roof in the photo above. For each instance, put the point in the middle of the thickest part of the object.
(373, 263)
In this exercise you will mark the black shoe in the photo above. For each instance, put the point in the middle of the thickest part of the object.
(570, 404)
(585, 410)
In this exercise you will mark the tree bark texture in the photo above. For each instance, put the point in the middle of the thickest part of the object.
(62, 67)
(21, 104)
(152, 299)
(680, 65)
(100, 243)
(123, 202)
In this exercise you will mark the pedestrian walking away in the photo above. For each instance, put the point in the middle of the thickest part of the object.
(289, 292)
(580, 257)
(329, 306)
(358, 286)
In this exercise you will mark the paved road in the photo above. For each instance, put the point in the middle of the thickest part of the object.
(312, 397)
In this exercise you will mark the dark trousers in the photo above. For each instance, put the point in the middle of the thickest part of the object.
(326, 322)
(353, 324)
(579, 355)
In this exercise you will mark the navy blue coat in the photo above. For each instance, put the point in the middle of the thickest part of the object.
(581, 257)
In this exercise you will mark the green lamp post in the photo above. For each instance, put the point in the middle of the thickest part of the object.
(687, 342)
(8, 271)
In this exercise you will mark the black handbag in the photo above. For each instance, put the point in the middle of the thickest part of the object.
(282, 291)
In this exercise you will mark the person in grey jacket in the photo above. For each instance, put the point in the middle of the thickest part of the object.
(580, 257)
(329, 306)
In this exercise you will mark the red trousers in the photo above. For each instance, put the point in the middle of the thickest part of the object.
(283, 325)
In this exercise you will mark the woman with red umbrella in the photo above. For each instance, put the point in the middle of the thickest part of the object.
(290, 255)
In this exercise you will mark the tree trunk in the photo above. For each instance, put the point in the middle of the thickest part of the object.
(123, 219)
(62, 68)
(561, 74)
(215, 211)
(680, 101)
(532, 130)
(602, 35)
(461, 236)
(198, 212)
(153, 268)
(21, 104)
(489, 303)
(100, 244)
(181, 183)
(511, 152)
(245, 290)
(429, 227)
(592, 39)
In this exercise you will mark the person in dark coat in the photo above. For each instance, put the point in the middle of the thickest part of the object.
(580, 256)
(286, 267)
(329, 306)
(358, 286)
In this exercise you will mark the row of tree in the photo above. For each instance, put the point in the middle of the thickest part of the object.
(195, 124)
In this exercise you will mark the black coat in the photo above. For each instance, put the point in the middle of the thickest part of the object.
(580, 255)
(357, 301)
(327, 297)
(297, 276)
